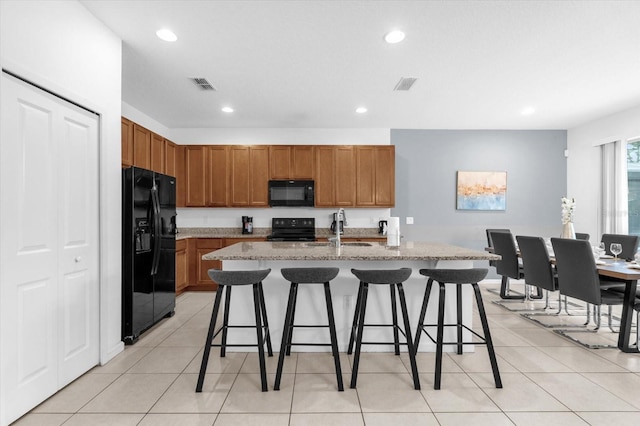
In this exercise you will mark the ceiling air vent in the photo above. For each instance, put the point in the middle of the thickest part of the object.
(405, 83)
(203, 83)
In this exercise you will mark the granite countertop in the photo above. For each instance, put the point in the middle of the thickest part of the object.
(264, 232)
(321, 251)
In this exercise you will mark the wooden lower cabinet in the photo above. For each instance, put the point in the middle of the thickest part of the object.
(198, 276)
(182, 266)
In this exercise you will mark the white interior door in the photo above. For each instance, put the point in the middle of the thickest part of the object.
(49, 245)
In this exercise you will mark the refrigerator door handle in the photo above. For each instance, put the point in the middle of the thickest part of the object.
(156, 230)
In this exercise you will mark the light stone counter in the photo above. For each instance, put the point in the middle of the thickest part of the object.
(344, 288)
(348, 251)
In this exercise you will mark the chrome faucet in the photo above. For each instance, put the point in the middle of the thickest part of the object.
(340, 217)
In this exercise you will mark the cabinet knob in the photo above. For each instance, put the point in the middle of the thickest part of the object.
(78, 259)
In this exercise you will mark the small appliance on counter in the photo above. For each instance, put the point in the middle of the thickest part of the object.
(337, 224)
(247, 225)
(382, 227)
(393, 232)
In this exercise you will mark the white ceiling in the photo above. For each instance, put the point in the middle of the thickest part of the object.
(311, 63)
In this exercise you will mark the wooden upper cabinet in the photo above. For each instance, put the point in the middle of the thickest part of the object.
(291, 162)
(127, 142)
(249, 176)
(181, 176)
(195, 163)
(141, 147)
(279, 162)
(239, 163)
(302, 162)
(385, 176)
(217, 178)
(324, 177)
(259, 175)
(169, 158)
(375, 176)
(157, 153)
(345, 176)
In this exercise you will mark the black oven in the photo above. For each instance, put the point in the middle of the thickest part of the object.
(291, 193)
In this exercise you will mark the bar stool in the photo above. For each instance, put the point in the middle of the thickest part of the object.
(394, 279)
(457, 277)
(226, 281)
(308, 276)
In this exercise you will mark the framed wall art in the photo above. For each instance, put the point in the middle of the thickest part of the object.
(481, 191)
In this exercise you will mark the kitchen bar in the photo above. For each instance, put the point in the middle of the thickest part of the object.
(278, 255)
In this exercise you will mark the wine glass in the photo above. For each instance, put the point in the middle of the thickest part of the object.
(616, 249)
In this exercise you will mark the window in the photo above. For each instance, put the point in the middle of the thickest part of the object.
(633, 180)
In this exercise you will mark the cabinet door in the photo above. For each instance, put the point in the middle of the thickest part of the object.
(302, 162)
(169, 158)
(218, 166)
(345, 176)
(204, 246)
(239, 163)
(365, 176)
(181, 177)
(259, 173)
(195, 160)
(157, 153)
(385, 176)
(127, 142)
(181, 266)
(325, 170)
(279, 162)
(141, 147)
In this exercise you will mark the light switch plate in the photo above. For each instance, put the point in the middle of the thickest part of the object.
(409, 220)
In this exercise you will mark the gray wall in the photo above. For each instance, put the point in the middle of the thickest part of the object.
(426, 166)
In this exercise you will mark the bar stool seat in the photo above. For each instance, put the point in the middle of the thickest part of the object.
(458, 277)
(308, 276)
(394, 279)
(226, 280)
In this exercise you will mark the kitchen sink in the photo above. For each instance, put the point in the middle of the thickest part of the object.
(328, 244)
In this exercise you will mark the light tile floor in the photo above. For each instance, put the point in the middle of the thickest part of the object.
(548, 380)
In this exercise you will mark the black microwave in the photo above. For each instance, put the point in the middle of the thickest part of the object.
(291, 193)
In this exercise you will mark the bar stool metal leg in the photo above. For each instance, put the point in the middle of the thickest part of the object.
(258, 314)
(210, 333)
(286, 334)
(265, 321)
(361, 314)
(356, 315)
(334, 337)
(293, 316)
(394, 318)
(487, 336)
(423, 312)
(225, 321)
(439, 338)
(407, 329)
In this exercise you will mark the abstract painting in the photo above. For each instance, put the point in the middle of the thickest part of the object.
(481, 191)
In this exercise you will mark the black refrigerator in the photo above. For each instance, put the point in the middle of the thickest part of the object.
(148, 250)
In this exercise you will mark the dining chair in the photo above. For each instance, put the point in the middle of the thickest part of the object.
(538, 270)
(578, 278)
(490, 241)
(629, 244)
(509, 266)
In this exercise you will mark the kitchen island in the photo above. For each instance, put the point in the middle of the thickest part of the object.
(344, 288)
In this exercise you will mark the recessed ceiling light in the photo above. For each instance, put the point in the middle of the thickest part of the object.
(528, 111)
(166, 35)
(361, 110)
(395, 36)
(227, 109)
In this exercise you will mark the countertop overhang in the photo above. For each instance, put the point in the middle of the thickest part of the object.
(376, 251)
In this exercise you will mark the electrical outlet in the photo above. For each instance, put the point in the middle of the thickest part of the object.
(409, 220)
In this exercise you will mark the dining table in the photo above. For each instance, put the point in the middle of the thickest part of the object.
(629, 273)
